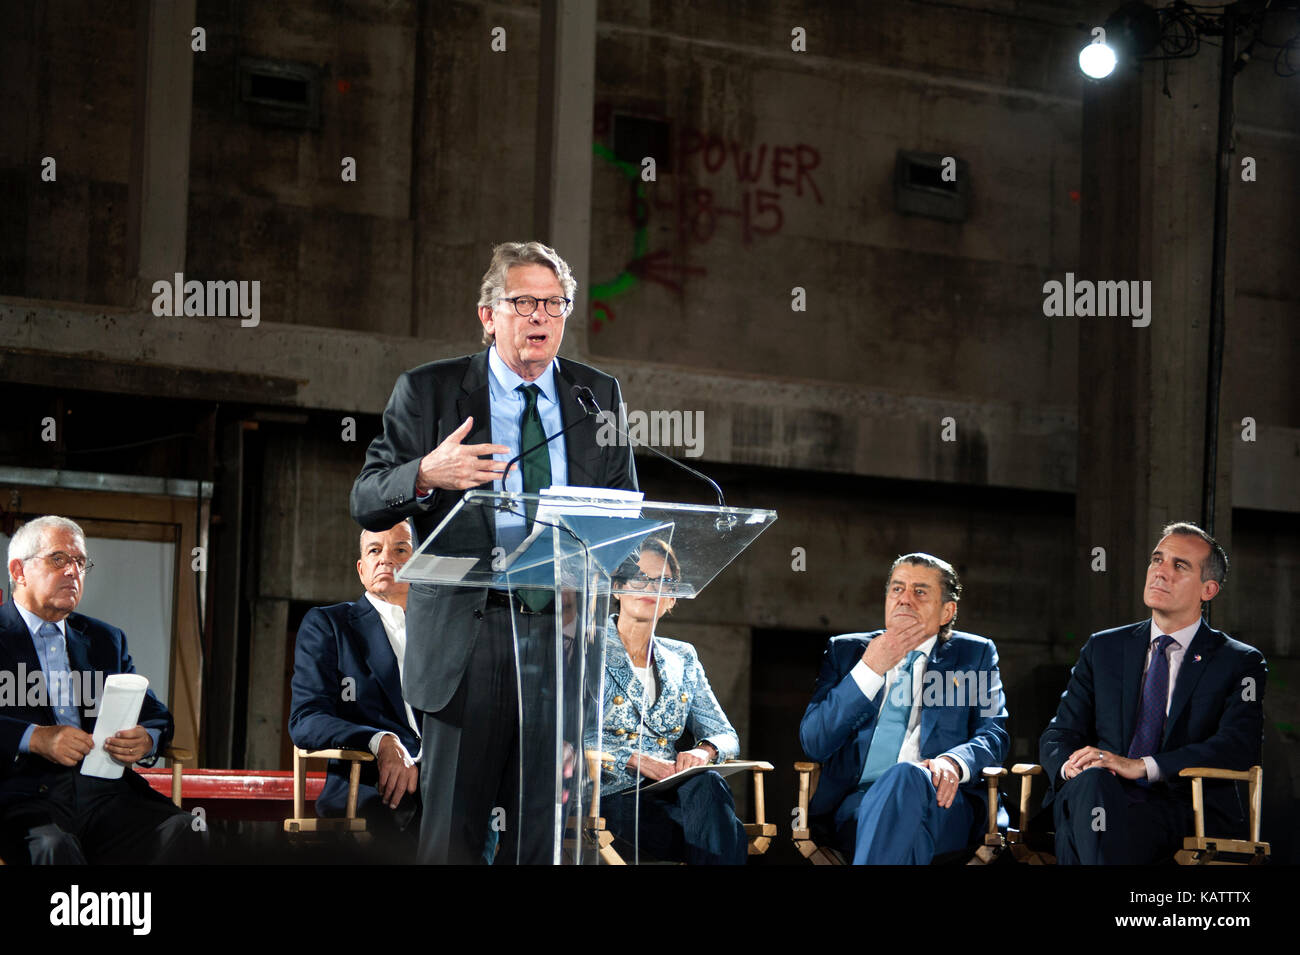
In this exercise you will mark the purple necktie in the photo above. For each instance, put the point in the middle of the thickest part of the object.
(1155, 697)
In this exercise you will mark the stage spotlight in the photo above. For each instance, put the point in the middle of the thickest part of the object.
(1097, 60)
(1132, 31)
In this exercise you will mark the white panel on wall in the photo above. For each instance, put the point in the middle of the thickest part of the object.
(131, 588)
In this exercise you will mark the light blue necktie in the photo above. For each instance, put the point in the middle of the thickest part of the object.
(891, 724)
(58, 689)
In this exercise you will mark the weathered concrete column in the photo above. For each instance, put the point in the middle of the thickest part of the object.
(160, 144)
(267, 664)
(562, 187)
(1148, 214)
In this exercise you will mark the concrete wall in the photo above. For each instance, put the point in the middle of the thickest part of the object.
(68, 77)
(778, 174)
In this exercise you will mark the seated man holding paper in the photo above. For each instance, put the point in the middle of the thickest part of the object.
(655, 689)
(52, 809)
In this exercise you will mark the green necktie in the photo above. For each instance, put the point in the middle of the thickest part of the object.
(537, 462)
(536, 474)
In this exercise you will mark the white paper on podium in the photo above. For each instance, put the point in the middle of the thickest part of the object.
(603, 502)
(606, 502)
(119, 709)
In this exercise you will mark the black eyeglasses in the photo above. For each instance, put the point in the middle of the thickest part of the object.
(642, 582)
(59, 560)
(525, 305)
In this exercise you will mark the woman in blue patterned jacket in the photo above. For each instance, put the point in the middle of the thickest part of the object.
(655, 689)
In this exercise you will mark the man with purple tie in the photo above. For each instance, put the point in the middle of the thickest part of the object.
(1146, 701)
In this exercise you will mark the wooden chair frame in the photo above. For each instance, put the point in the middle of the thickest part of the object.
(1030, 850)
(349, 822)
(809, 774)
(760, 832)
(1198, 849)
(178, 756)
(594, 834)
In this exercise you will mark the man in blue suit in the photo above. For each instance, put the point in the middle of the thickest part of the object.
(903, 720)
(347, 690)
(1146, 701)
(54, 661)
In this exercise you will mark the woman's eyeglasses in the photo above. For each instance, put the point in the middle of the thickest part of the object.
(642, 582)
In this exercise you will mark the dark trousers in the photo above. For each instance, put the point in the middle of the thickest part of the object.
(1105, 820)
(694, 823)
(395, 832)
(898, 820)
(78, 819)
(481, 780)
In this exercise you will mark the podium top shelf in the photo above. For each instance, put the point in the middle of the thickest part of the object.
(483, 542)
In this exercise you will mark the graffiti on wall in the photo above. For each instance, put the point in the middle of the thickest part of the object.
(759, 178)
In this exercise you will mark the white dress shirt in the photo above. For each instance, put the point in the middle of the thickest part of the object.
(393, 618)
(870, 682)
(646, 675)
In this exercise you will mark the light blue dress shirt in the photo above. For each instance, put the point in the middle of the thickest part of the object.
(507, 406)
(65, 715)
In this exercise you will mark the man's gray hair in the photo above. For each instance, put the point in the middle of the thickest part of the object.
(1215, 565)
(947, 579)
(30, 538)
(509, 254)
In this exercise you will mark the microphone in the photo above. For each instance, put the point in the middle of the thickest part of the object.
(587, 399)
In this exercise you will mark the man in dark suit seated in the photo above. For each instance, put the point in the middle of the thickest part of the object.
(56, 661)
(1145, 701)
(347, 692)
(903, 721)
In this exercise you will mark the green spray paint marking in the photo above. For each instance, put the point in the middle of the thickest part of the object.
(625, 280)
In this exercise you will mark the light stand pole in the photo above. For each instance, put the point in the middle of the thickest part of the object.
(1218, 268)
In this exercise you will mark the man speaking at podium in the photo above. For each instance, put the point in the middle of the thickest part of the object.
(444, 424)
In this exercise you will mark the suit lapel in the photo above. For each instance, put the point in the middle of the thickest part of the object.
(379, 654)
(1135, 650)
(671, 670)
(619, 670)
(16, 639)
(78, 647)
(475, 399)
(940, 662)
(569, 413)
(1202, 646)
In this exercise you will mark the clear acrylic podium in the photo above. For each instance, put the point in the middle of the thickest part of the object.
(557, 578)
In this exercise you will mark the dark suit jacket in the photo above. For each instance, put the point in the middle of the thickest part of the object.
(1210, 723)
(839, 723)
(93, 646)
(343, 641)
(427, 404)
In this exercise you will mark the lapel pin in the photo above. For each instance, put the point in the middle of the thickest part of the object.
(1197, 658)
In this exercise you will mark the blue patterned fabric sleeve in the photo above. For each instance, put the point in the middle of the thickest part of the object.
(706, 720)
